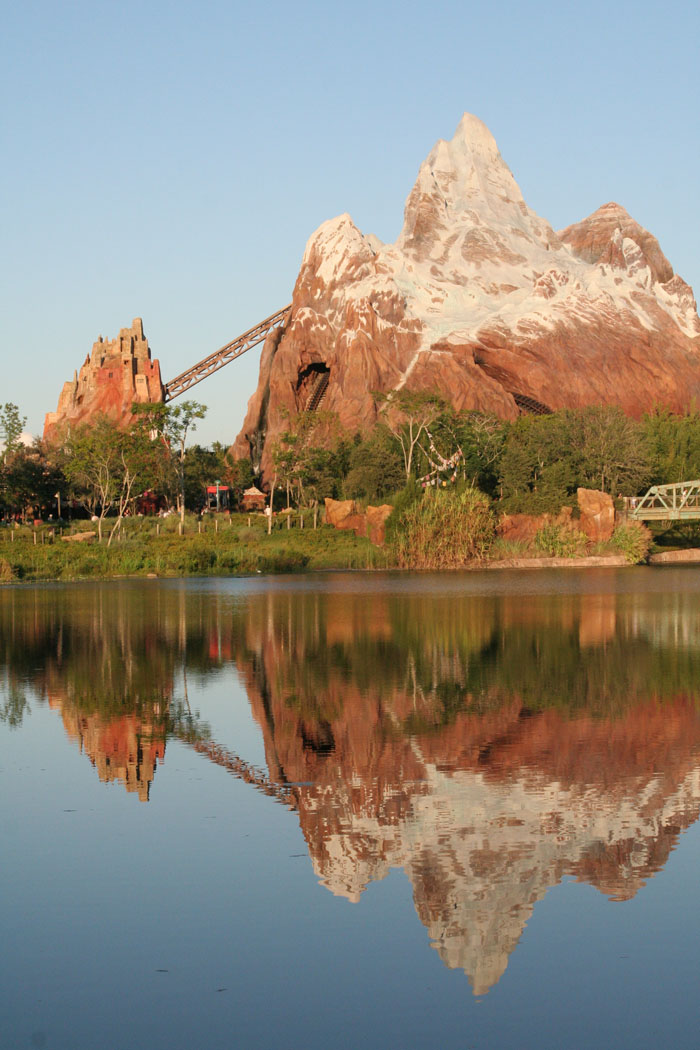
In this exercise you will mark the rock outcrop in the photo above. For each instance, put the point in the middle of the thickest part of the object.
(522, 528)
(482, 301)
(115, 374)
(597, 514)
(345, 514)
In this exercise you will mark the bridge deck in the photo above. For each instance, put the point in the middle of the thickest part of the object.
(679, 502)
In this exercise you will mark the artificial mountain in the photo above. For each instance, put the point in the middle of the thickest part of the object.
(117, 373)
(479, 300)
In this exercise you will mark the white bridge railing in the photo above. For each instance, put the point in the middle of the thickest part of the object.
(679, 502)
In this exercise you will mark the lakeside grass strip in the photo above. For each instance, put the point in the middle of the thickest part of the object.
(211, 553)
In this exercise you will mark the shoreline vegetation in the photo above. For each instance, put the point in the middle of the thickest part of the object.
(240, 545)
(431, 487)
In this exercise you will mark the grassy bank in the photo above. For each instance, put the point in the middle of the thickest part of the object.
(240, 545)
(146, 546)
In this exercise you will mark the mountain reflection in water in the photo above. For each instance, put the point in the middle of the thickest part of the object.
(488, 745)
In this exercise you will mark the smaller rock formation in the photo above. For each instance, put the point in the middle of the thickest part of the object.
(80, 537)
(522, 528)
(115, 374)
(345, 514)
(597, 514)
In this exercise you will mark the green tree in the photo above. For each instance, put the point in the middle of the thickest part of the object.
(236, 473)
(307, 460)
(108, 468)
(540, 467)
(202, 467)
(375, 466)
(482, 437)
(11, 426)
(29, 480)
(673, 443)
(173, 424)
(408, 414)
(615, 456)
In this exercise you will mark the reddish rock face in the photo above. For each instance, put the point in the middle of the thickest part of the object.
(345, 514)
(480, 300)
(114, 375)
(522, 528)
(597, 514)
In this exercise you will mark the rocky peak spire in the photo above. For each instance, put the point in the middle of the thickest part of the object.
(462, 184)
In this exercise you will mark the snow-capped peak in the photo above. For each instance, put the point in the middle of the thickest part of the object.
(466, 201)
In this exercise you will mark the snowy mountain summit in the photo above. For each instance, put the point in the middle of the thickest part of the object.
(480, 300)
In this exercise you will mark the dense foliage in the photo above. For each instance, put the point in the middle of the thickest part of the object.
(423, 457)
(445, 530)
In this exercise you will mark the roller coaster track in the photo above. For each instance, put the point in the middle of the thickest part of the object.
(317, 394)
(529, 406)
(241, 769)
(230, 352)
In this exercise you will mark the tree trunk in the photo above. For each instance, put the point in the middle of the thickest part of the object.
(272, 500)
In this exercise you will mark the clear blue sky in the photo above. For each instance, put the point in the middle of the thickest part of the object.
(169, 160)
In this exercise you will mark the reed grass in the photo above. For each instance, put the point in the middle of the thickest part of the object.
(445, 530)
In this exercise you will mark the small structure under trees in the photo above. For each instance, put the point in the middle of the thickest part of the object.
(218, 496)
(253, 499)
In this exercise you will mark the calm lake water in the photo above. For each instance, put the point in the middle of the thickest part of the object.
(454, 810)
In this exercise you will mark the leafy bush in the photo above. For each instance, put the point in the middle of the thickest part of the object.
(560, 541)
(444, 530)
(633, 540)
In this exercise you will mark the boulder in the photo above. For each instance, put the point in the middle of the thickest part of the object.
(345, 514)
(79, 537)
(341, 514)
(597, 514)
(691, 554)
(522, 528)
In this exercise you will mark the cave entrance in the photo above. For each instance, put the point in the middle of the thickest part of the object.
(312, 383)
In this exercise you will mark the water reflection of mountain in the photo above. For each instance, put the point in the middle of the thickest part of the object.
(104, 660)
(485, 748)
(488, 746)
(124, 748)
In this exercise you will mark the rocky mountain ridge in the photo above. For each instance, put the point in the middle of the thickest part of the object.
(481, 300)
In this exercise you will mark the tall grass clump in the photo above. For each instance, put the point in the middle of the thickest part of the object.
(560, 541)
(7, 573)
(633, 540)
(445, 530)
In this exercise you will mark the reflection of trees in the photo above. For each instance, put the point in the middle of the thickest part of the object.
(105, 658)
(429, 658)
(486, 745)
(15, 703)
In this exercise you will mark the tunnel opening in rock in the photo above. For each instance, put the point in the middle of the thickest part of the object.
(312, 384)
